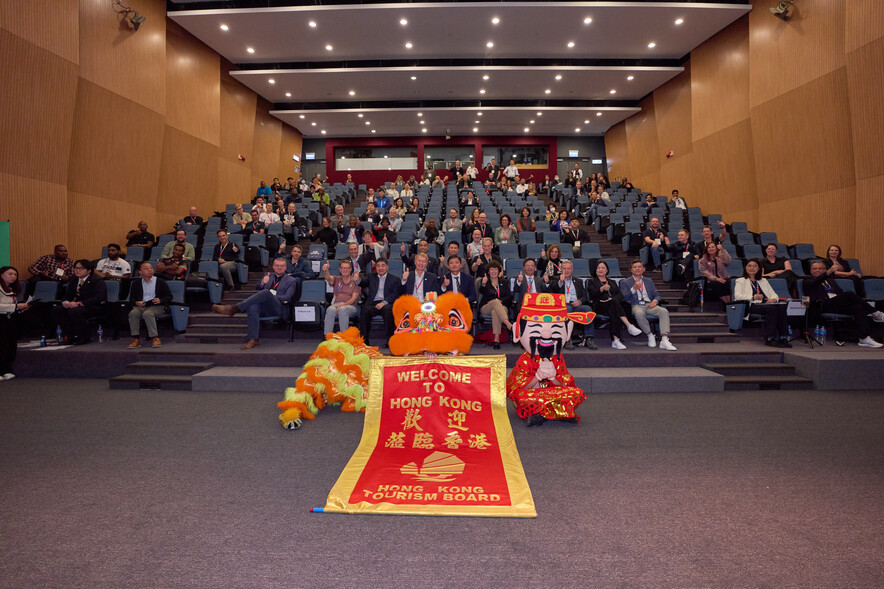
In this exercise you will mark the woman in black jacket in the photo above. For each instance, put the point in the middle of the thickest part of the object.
(608, 300)
(328, 236)
(495, 298)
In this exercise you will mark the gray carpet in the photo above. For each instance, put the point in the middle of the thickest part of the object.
(108, 488)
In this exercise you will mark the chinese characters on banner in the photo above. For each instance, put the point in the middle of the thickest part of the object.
(437, 441)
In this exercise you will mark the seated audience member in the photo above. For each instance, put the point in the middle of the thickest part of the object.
(453, 249)
(469, 200)
(420, 281)
(415, 209)
(226, 254)
(431, 233)
(268, 216)
(529, 280)
(574, 236)
(641, 294)
(174, 267)
(551, 215)
(323, 199)
(423, 247)
(240, 218)
(276, 186)
(551, 261)
(140, 236)
(382, 202)
(452, 223)
(597, 203)
(657, 240)
(327, 235)
(290, 222)
(684, 253)
(346, 293)
(678, 202)
(370, 196)
(352, 232)
(259, 205)
(713, 267)
(483, 227)
(191, 219)
(382, 291)
(392, 193)
(650, 202)
(579, 190)
(255, 225)
(57, 267)
(821, 286)
(150, 295)
(339, 220)
(370, 246)
(842, 267)
(474, 247)
(180, 237)
(298, 266)
(479, 264)
(774, 267)
(263, 190)
(361, 262)
(457, 281)
(495, 298)
(525, 221)
(275, 289)
(607, 300)
(82, 300)
(761, 299)
(577, 300)
(506, 233)
(113, 266)
(718, 239)
(371, 214)
(384, 234)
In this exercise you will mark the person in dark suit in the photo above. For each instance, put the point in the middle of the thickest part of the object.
(458, 281)
(382, 291)
(352, 232)
(821, 286)
(83, 298)
(423, 247)
(529, 280)
(275, 290)
(421, 281)
(494, 299)
(576, 300)
(150, 295)
(299, 267)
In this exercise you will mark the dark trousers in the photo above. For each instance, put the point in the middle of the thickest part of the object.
(261, 304)
(370, 311)
(73, 321)
(615, 311)
(716, 290)
(847, 303)
(8, 342)
(774, 320)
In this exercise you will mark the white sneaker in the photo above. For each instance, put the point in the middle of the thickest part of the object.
(652, 341)
(633, 330)
(868, 342)
(665, 344)
(8, 376)
(878, 317)
(617, 345)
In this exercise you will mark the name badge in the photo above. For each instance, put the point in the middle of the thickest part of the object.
(831, 295)
(642, 302)
(59, 272)
(273, 291)
(684, 254)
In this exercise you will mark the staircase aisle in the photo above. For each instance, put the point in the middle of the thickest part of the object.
(159, 369)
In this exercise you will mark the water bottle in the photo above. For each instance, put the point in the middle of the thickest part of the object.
(816, 333)
(790, 333)
(58, 335)
(100, 334)
(823, 335)
(43, 341)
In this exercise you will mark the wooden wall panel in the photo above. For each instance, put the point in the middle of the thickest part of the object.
(678, 174)
(188, 176)
(802, 140)
(37, 213)
(116, 147)
(110, 221)
(234, 182)
(803, 220)
(52, 25)
(193, 95)
(237, 118)
(36, 111)
(865, 87)
(616, 151)
(267, 143)
(865, 23)
(725, 171)
(290, 145)
(720, 80)
(787, 55)
(128, 63)
(641, 137)
(672, 110)
(867, 229)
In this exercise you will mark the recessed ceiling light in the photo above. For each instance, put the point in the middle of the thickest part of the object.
(613, 91)
(323, 131)
(386, 156)
(531, 122)
(559, 77)
(475, 129)
(678, 21)
(423, 122)
(586, 122)
(352, 92)
(577, 130)
(495, 21)
(288, 94)
(328, 47)
(312, 24)
(368, 122)
(403, 21)
(360, 115)
(651, 45)
(408, 45)
(485, 77)
(271, 81)
(250, 49)
(420, 114)
(527, 129)
(571, 44)
(225, 28)
(539, 114)
(476, 122)
(302, 116)
(587, 20)
(482, 91)
(547, 91)
(489, 44)
(313, 124)
(630, 78)
(598, 114)
(373, 131)
(478, 114)
(424, 130)
(414, 77)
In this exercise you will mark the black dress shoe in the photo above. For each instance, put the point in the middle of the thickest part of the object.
(771, 343)
(496, 345)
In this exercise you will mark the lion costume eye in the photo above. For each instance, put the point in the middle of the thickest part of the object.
(455, 321)
(405, 323)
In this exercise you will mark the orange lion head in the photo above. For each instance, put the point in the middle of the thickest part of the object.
(438, 325)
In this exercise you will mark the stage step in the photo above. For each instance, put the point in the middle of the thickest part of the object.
(648, 380)
(704, 337)
(246, 379)
(749, 356)
(167, 368)
(213, 338)
(216, 319)
(755, 383)
(750, 368)
(683, 318)
(213, 328)
(691, 328)
(174, 382)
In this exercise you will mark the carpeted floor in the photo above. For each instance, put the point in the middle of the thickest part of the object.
(105, 488)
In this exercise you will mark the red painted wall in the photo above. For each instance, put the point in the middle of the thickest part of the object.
(376, 178)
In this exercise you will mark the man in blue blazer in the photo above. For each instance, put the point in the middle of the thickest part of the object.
(458, 281)
(379, 299)
(642, 295)
(351, 232)
(420, 281)
(275, 291)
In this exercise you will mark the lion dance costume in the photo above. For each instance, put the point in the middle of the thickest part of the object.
(540, 385)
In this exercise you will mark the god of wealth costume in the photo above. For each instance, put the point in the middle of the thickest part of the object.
(540, 385)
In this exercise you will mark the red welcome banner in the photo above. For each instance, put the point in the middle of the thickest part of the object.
(436, 441)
